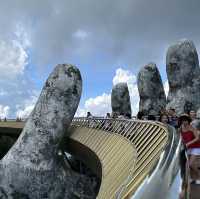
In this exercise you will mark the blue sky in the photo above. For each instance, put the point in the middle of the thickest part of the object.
(108, 40)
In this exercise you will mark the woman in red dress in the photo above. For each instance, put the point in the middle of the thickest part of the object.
(190, 138)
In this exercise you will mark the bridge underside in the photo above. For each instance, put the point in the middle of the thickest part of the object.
(117, 157)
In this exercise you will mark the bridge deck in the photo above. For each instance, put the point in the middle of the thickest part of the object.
(127, 150)
(149, 140)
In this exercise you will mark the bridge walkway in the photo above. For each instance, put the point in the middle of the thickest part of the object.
(127, 150)
(147, 139)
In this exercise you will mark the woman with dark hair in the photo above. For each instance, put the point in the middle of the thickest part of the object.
(190, 138)
(164, 118)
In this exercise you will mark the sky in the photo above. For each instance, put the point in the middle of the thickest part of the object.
(109, 41)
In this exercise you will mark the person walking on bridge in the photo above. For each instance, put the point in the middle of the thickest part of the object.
(190, 138)
(192, 114)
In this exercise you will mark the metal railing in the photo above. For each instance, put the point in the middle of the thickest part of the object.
(148, 138)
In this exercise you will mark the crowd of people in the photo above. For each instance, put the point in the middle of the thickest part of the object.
(114, 115)
(188, 128)
(166, 116)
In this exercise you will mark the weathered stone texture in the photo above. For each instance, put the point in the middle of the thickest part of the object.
(120, 100)
(151, 91)
(32, 167)
(184, 77)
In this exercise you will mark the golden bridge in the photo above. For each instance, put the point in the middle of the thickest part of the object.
(133, 159)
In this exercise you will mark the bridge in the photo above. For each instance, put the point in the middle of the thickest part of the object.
(133, 159)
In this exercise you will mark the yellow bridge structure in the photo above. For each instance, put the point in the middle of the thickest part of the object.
(133, 159)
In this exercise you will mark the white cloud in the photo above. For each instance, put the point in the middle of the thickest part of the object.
(22, 36)
(98, 106)
(4, 111)
(81, 112)
(16, 85)
(101, 104)
(124, 76)
(81, 34)
(13, 59)
(23, 111)
(3, 92)
(13, 53)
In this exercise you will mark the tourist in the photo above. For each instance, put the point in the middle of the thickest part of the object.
(162, 111)
(121, 117)
(108, 116)
(89, 118)
(152, 115)
(187, 107)
(164, 118)
(114, 115)
(190, 138)
(196, 124)
(89, 115)
(173, 119)
(140, 115)
(107, 123)
(195, 119)
(127, 116)
(192, 114)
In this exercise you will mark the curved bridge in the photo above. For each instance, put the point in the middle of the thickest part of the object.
(134, 159)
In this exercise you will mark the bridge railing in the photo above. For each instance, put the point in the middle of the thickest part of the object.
(148, 137)
(120, 126)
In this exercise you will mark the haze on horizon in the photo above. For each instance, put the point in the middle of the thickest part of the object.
(108, 40)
